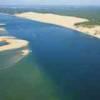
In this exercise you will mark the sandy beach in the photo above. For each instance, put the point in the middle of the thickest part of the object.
(13, 44)
(64, 21)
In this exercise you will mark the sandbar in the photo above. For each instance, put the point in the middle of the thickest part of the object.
(13, 51)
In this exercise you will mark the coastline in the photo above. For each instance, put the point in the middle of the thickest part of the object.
(64, 21)
(13, 43)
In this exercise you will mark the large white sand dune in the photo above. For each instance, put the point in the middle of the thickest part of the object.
(65, 21)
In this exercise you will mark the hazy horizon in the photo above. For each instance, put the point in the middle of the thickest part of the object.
(50, 2)
(47, 5)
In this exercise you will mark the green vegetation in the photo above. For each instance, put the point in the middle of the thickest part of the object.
(85, 24)
(89, 12)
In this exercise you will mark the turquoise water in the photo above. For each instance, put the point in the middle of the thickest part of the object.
(3, 43)
(64, 64)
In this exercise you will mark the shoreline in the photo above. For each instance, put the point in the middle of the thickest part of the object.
(13, 43)
(64, 21)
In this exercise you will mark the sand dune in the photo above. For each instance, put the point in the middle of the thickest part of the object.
(65, 21)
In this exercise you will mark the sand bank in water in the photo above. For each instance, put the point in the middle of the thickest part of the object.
(13, 51)
(13, 44)
(2, 30)
(65, 21)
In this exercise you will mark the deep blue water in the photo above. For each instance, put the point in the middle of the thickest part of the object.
(64, 64)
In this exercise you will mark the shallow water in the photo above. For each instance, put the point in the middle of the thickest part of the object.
(64, 64)
(3, 43)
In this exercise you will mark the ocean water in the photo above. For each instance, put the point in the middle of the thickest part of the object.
(64, 64)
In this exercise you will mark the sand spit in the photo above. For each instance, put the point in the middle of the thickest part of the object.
(65, 21)
(2, 29)
(13, 43)
(13, 51)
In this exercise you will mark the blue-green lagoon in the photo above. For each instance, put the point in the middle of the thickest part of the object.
(64, 64)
